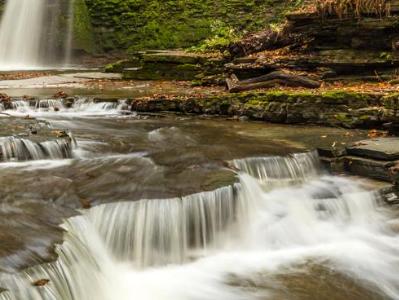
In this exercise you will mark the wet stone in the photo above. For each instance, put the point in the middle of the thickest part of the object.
(331, 152)
(370, 168)
(381, 148)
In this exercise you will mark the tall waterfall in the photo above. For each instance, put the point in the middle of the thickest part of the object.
(29, 34)
(229, 244)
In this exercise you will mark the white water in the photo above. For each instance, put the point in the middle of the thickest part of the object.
(82, 107)
(20, 34)
(19, 149)
(189, 248)
(24, 40)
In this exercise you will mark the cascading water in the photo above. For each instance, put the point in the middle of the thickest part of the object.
(207, 246)
(54, 107)
(19, 149)
(20, 33)
(298, 167)
(30, 32)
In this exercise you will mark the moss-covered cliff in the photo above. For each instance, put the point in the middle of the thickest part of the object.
(153, 24)
(83, 35)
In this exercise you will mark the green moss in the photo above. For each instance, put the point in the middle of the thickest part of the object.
(167, 71)
(82, 29)
(365, 117)
(391, 101)
(151, 24)
(345, 119)
(120, 66)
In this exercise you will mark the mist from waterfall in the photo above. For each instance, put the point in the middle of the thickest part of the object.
(30, 34)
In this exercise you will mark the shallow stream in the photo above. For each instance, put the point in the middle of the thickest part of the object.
(175, 207)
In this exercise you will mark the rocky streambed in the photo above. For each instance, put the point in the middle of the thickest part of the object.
(121, 156)
(121, 153)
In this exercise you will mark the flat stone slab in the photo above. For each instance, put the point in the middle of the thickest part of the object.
(379, 148)
(371, 168)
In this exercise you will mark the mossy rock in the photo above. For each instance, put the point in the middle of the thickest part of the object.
(167, 71)
(391, 101)
(168, 65)
(172, 57)
(121, 65)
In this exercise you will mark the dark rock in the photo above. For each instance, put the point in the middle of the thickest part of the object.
(333, 164)
(68, 102)
(393, 128)
(381, 148)
(370, 168)
(331, 152)
(41, 282)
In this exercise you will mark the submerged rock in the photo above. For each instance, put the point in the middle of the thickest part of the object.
(41, 282)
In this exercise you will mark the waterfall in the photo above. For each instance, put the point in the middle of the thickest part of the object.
(29, 35)
(191, 247)
(76, 107)
(19, 149)
(171, 227)
(20, 33)
(295, 168)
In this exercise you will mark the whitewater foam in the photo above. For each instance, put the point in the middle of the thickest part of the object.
(189, 248)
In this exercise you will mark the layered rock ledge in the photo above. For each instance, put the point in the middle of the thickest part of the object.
(330, 108)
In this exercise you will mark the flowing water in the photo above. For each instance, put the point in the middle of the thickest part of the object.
(20, 149)
(30, 32)
(185, 208)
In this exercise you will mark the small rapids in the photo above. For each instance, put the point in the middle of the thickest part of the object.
(20, 149)
(193, 247)
(296, 168)
(58, 107)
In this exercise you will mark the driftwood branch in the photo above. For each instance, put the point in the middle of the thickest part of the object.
(270, 80)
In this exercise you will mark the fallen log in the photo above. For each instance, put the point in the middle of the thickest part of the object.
(270, 80)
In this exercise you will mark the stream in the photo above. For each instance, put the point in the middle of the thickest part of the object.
(163, 206)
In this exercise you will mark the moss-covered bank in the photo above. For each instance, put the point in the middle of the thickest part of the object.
(331, 108)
